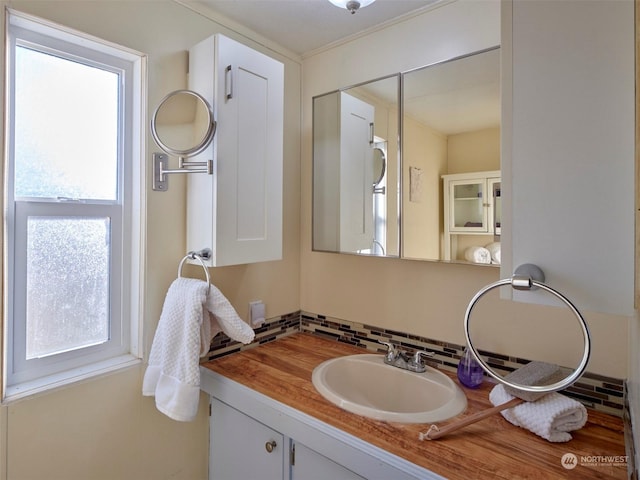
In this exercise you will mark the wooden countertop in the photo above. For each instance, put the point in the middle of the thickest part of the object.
(490, 449)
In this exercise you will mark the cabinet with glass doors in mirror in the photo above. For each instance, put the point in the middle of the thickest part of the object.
(472, 217)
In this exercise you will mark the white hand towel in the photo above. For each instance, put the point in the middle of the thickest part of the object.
(477, 255)
(173, 374)
(550, 417)
(223, 317)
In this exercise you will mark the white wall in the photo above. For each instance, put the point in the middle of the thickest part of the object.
(474, 151)
(422, 218)
(104, 428)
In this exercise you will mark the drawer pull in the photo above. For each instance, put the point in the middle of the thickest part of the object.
(270, 446)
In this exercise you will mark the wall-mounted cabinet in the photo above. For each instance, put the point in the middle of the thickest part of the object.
(571, 173)
(237, 211)
(472, 206)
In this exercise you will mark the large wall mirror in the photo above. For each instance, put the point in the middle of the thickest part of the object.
(451, 160)
(448, 207)
(356, 168)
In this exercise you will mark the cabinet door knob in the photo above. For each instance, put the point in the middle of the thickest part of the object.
(270, 446)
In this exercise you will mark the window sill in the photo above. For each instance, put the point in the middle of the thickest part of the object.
(47, 384)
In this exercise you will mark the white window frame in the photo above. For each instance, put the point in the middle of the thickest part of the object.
(23, 377)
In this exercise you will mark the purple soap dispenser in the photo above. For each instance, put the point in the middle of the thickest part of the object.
(470, 373)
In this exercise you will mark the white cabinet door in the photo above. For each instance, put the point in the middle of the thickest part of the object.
(356, 174)
(237, 211)
(343, 173)
(239, 447)
(467, 205)
(310, 465)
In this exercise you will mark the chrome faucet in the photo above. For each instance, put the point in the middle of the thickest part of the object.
(397, 357)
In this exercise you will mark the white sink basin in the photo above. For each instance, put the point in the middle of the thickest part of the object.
(365, 385)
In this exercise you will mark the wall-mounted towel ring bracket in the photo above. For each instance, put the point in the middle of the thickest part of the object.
(525, 274)
(201, 256)
(530, 277)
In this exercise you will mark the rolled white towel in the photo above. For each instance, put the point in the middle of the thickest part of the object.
(477, 255)
(550, 417)
(494, 250)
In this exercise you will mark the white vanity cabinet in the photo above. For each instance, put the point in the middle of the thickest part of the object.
(255, 437)
(237, 211)
(242, 448)
(472, 206)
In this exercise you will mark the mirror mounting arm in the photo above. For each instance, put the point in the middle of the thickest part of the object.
(202, 167)
(161, 164)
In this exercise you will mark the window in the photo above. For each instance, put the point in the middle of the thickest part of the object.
(73, 213)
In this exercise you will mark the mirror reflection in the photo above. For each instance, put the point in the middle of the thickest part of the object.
(183, 123)
(450, 171)
(451, 160)
(379, 165)
(355, 169)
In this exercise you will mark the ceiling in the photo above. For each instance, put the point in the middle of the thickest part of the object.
(458, 96)
(303, 26)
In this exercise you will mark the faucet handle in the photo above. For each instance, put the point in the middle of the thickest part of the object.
(415, 364)
(391, 350)
(419, 353)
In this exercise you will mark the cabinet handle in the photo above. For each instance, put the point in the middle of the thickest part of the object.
(228, 83)
(270, 446)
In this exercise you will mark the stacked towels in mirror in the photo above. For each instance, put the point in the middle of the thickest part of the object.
(485, 255)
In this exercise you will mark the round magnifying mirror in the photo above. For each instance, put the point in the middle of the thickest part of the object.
(379, 165)
(183, 123)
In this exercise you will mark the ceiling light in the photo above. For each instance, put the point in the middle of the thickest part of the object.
(352, 5)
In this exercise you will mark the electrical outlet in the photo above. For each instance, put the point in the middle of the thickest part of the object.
(256, 313)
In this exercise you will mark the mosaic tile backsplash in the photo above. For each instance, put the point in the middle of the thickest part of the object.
(601, 393)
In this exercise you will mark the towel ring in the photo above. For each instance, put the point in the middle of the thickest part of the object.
(202, 254)
(522, 280)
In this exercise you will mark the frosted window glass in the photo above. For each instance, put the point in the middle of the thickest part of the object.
(67, 284)
(66, 128)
